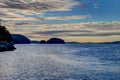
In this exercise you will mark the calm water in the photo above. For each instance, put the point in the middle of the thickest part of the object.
(61, 62)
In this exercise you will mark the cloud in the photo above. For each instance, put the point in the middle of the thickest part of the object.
(78, 31)
(52, 18)
(86, 26)
(90, 29)
(74, 17)
(104, 26)
(61, 32)
(96, 34)
(1, 20)
(22, 24)
(9, 15)
(96, 26)
(36, 6)
(11, 10)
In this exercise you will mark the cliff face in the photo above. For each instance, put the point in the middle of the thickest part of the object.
(6, 40)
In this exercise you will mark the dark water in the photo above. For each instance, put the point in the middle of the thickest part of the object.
(61, 62)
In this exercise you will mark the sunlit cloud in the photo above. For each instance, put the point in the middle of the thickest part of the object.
(97, 26)
(17, 10)
(36, 6)
(89, 31)
(68, 17)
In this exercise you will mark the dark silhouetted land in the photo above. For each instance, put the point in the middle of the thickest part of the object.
(6, 39)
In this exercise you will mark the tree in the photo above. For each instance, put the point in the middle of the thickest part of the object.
(5, 34)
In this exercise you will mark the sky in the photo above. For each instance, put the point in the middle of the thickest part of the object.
(71, 20)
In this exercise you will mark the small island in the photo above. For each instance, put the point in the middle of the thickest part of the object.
(53, 41)
(6, 40)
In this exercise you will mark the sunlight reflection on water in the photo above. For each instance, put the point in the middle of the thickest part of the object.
(61, 62)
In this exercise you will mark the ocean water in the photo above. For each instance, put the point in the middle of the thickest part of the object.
(61, 62)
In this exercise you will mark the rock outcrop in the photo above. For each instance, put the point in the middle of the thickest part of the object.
(6, 40)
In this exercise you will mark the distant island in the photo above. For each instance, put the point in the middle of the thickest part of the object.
(20, 39)
(114, 42)
(53, 41)
(47, 42)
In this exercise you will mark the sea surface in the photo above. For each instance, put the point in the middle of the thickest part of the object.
(61, 62)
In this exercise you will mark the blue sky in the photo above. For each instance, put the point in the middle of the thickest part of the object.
(100, 10)
(72, 20)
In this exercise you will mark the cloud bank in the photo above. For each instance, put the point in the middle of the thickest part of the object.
(87, 29)
(78, 31)
(11, 9)
(37, 5)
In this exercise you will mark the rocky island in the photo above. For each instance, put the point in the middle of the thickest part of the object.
(6, 40)
(53, 41)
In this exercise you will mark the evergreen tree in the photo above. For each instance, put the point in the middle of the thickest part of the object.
(5, 34)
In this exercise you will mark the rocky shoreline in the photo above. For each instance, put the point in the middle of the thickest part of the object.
(5, 46)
